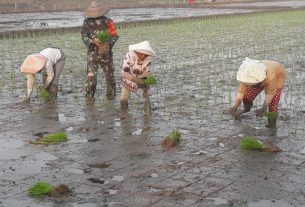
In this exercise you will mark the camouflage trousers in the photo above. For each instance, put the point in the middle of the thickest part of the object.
(94, 60)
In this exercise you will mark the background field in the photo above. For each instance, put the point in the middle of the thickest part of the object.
(196, 64)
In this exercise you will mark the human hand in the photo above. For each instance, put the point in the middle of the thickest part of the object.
(260, 112)
(97, 42)
(233, 110)
(138, 80)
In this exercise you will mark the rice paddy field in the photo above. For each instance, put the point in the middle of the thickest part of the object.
(196, 64)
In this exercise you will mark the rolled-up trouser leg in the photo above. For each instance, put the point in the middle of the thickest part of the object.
(107, 65)
(92, 67)
(58, 68)
(124, 99)
(273, 107)
(250, 95)
(146, 102)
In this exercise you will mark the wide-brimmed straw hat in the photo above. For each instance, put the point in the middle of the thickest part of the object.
(143, 47)
(33, 63)
(251, 71)
(95, 10)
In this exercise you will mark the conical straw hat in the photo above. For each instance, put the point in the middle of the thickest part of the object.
(251, 71)
(143, 47)
(33, 63)
(95, 10)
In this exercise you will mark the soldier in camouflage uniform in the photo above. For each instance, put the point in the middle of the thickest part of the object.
(94, 23)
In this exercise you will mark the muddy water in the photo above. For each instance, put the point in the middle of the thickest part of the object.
(196, 86)
(12, 22)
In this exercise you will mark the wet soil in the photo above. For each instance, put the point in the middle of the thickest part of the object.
(196, 86)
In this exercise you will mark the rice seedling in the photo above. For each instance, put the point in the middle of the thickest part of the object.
(150, 80)
(172, 139)
(44, 94)
(40, 189)
(52, 139)
(252, 143)
(271, 115)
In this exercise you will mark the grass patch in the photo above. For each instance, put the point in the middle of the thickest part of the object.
(52, 139)
(40, 189)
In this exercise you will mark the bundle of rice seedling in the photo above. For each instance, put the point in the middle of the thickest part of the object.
(52, 139)
(44, 94)
(40, 189)
(271, 115)
(172, 139)
(150, 80)
(250, 142)
(103, 36)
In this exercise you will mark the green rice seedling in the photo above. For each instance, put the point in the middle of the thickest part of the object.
(271, 115)
(175, 135)
(52, 139)
(103, 36)
(40, 189)
(150, 80)
(44, 94)
(250, 142)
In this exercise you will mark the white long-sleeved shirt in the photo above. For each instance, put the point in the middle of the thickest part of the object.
(52, 56)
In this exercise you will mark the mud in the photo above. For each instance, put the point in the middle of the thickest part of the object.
(196, 86)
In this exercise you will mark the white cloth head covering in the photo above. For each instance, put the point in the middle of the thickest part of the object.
(95, 10)
(33, 63)
(251, 71)
(143, 47)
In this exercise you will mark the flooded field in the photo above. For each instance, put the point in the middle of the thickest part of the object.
(114, 160)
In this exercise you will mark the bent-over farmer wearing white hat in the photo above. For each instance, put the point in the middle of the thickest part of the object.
(50, 62)
(99, 53)
(255, 76)
(136, 68)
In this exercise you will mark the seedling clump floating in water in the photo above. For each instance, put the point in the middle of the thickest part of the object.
(52, 139)
(172, 139)
(40, 189)
(250, 142)
(43, 188)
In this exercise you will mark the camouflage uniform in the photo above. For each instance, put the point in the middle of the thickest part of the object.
(89, 31)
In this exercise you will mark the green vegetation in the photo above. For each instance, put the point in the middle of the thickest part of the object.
(52, 139)
(40, 189)
(250, 142)
(103, 36)
(271, 115)
(175, 135)
(44, 94)
(150, 80)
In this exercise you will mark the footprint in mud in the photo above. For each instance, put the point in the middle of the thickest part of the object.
(96, 180)
(41, 134)
(60, 191)
(99, 165)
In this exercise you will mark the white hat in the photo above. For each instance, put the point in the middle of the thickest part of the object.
(142, 47)
(33, 63)
(251, 71)
(95, 10)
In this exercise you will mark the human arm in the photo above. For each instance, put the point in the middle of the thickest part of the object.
(113, 33)
(239, 97)
(50, 73)
(88, 35)
(30, 85)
